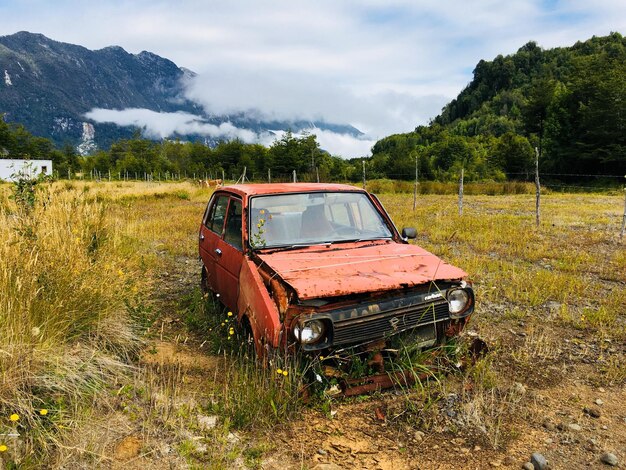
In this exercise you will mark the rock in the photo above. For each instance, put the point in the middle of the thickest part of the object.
(601, 390)
(599, 402)
(528, 466)
(322, 452)
(592, 411)
(574, 427)
(609, 459)
(495, 463)
(539, 461)
(419, 436)
(206, 422)
(232, 438)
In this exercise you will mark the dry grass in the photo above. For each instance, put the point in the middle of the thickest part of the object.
(82, 273)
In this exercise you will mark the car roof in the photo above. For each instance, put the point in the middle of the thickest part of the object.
(245, 190)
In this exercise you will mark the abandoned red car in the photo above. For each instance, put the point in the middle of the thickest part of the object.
(321, 268)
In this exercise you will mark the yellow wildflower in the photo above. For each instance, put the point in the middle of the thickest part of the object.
(285, 373)
(231, 331)
(262, 211)
(14, 417)
(279, 371)
(120, 272)
(3, 448)
(230, 314)
(43, 412)
(223, 324)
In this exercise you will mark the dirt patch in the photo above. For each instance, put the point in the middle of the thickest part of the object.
(164, 353)
(128, 448)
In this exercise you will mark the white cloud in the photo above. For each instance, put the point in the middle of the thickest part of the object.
(161, 125)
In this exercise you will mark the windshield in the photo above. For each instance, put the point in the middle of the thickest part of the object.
(313, 218)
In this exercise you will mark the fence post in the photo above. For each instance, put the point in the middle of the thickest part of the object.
(537, 188)
(461, 192)
(621, 234)
(269, 175)
(317, 173)
(294, 176)
(415, 188)
(363, 161)
(223, 177)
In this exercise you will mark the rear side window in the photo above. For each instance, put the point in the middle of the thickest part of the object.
(217, 214)
(232, 235)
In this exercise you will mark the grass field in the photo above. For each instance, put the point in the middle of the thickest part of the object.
(107, 358)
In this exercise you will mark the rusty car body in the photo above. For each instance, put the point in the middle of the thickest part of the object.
(320, 268)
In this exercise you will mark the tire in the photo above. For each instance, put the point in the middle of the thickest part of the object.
(204, 282)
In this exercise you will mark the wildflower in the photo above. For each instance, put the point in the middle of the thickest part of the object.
(321, 358)
(230, 314)
(262, 211)
(14, 417)
(223, 324)
(231, 331)
(120, 272)
(43, 412)
(279, 371)
(3, 448)
(285, 373)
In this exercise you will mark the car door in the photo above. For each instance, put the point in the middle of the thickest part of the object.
(211, 231)
(229, 255)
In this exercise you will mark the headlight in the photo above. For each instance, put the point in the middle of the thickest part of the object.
(309, 332)
(458, 300)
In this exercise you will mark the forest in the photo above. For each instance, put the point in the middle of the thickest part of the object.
(566, 104)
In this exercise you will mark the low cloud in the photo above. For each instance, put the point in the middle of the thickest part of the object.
(163, 125)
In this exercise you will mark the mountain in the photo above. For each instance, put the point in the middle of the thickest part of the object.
(567, 102)
(48, 86)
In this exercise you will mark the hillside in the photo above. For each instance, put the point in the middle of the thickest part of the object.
(567, 102)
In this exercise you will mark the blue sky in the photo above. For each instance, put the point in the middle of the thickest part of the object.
(383, 66)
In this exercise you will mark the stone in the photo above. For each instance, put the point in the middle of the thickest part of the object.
(528, 466)
(609, 459)
(539, 461)
(592, 411)
(206, 422)
(574, 427)
(599, 402)
(322, 452)
(418, 436)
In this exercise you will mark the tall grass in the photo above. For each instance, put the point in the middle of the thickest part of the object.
(64, 329)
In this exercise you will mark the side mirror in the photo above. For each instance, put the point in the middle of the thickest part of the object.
(409, 233)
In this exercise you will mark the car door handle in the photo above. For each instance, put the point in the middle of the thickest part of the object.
(202, 237)
(218, 252)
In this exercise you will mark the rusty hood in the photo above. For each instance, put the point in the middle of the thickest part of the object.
(356, 268)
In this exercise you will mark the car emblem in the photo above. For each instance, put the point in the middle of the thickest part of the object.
(394, 322)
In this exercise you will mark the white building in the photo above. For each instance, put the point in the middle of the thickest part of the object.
(31, 168)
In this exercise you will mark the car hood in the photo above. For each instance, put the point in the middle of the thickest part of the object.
(357, 268)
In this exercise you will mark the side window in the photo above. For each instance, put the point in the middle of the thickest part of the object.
(232, 235)
(215, 220)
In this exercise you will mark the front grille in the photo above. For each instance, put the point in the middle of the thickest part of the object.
(388, 322)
